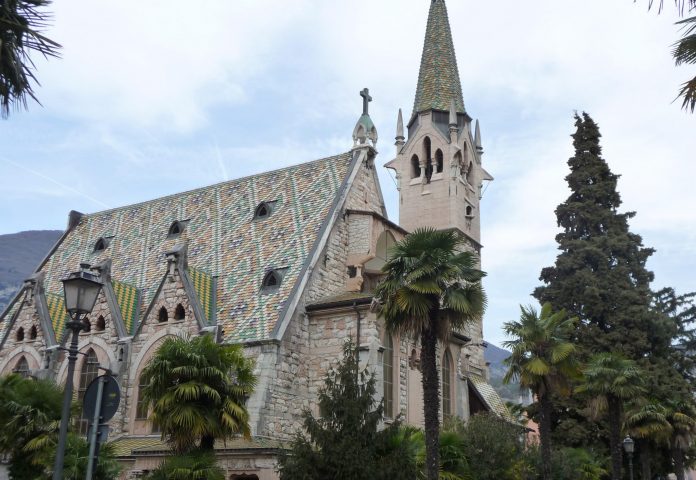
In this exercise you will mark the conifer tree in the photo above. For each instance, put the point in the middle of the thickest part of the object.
(600, 274)
(345, 440)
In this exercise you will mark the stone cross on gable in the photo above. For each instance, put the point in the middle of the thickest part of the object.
(366, 100)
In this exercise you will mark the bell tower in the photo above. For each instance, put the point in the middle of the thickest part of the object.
(438, 168)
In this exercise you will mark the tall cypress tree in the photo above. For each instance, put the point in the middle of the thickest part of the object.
(600, 274)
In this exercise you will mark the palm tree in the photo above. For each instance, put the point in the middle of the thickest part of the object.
(192, 466)
(431, 287)
(610, 380)
(543, 360)
(20, 23)
(646, 421)
(198, 389)
(682, 418)
(685, 48)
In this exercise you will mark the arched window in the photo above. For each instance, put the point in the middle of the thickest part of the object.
(447, 384)
(89, 371)
(101, 324)
(263, 210)
(175, 230)
(141, 407)
(22, 367)
(86, 325)
(388, 376)
(33, 333)
(439, 161)
(469, 211)
(20, 334)
(179, 313)
(101, 245)
(271, 280)
(163, 315)
(415, 167)
(427, 151)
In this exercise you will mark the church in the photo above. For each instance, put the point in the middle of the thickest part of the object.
(284, 263)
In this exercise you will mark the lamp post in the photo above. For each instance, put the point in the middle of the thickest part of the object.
(629, 446)
(81, 290)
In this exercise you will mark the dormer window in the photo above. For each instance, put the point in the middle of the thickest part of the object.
(176, 229)
(101, 244)
(263, 211)
(272, 280)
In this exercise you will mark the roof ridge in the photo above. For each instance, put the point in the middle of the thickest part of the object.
(219, 184)
(438, 77)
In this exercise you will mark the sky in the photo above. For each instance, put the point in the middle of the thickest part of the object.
(153, 98)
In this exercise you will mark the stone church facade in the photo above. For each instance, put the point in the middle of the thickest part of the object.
(285, 263)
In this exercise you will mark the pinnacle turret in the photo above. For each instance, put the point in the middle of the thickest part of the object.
(438, 80)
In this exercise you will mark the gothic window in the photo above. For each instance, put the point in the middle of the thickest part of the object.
(101, 324)
(22, 367)
(447, 384)
(427, 150)
(262, 211)
(20, 334)
(33, 333)
(89, 372)
(175, 230)
(271, 281)
(86, 325)
(469, 211)
(163, 315)
(141, 407)
(415, 167)
(388, 376)
(179, 313)
(101, 245)
(439, 161)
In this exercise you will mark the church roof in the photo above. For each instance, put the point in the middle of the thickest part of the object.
(229, 251)
(438, 80)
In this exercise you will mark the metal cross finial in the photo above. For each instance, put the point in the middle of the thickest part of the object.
(366, 100)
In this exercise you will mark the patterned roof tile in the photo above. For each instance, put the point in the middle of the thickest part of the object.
(57, 312)
(224, 241)
(438, 79)
(491, 397)
(127, 299)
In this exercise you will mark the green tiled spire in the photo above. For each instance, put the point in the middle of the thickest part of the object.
(438, 80)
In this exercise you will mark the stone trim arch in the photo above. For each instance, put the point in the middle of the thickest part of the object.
(27, 351)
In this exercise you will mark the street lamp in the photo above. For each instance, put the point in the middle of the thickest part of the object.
(81, 290)
(629, 445)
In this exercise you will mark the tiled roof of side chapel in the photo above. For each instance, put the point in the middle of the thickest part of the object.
(438, 79)
(229, 251)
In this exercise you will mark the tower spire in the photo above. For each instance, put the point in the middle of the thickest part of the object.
(438, 80)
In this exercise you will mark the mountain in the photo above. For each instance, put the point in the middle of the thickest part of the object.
(20, 254)
(510, 392)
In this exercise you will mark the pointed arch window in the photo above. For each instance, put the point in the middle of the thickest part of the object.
(20, 334)
(101, 244)
(415, 167)
(33, 333)
(101, 324)
(439, 161)
(272, 280)
(88, 372)
(388, 376)
(175, 229)
(163, 315)
(86, 325)
(142, 406)
(427, 151)
(180, 312)
(447, 384)
(264, 210)
(22, 367)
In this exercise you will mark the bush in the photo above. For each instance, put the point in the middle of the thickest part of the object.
(195, 465)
